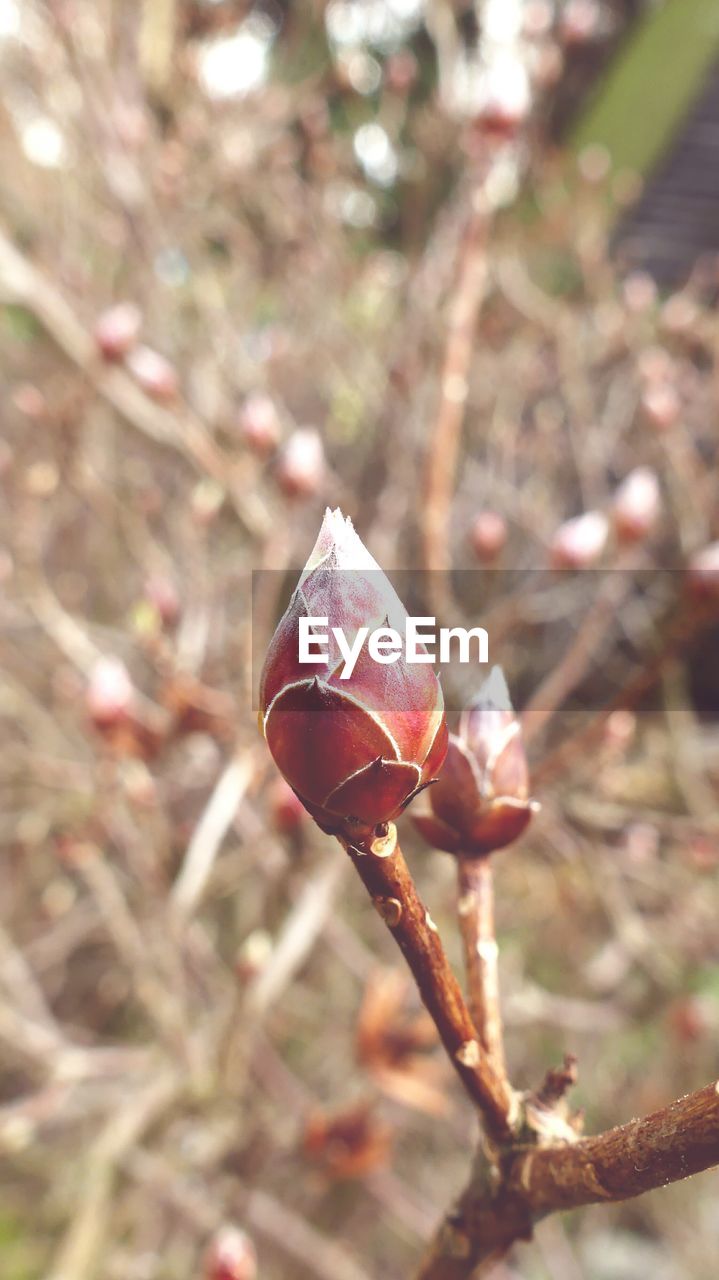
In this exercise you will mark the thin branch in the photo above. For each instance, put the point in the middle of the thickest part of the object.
(664, 1147)
(209, 834)
(387, 879)
(476, 920)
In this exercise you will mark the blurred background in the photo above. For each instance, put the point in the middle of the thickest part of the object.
(454, 267)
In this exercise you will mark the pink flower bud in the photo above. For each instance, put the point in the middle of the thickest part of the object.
(580, 22)
(259, 424)
(161, 593)
(660, 405)
(703, 573)
(301, 465)
(355, 750)
(505, 96)
(636, 506)
(489, 535)
(154, 373)
(110, 693)
(481, 801)
(231, 1256)
(117, 330)
(579, 543)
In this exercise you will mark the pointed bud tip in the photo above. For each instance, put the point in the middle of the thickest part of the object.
(493, 693)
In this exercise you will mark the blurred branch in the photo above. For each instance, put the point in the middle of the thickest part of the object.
(209, 833)
(23, 285)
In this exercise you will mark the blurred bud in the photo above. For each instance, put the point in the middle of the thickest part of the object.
(154, 373)
(206, 501)
(253, 955)
(161, 593)
(656, 365)
(636, 505)
(301, 465)
(481, 801)
(259, 424)
(679, 313)
(580, 22)
(640, 292)
(505, 96)
(594, 163)
(230, 1256)
(620, 730)
(401, 71)
(488, 536)
(546, 65)
(29, 400)
(378, 737)
(703, 573)
(110, 693)
(287, 811)
(687, 1019)
(578, 543)
(349, 1144)
(641, 843)
(117, 330)
(660, 405)
(537, 18)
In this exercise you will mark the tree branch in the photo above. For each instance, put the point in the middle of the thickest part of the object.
(387, 879)
(492, 1215)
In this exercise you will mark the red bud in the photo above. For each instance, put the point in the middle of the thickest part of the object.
(154, 373)
(481, 801)
(110, 693)
(579, 543)
(117, 330)
(703, 573)
(231, 1256)
(636, 505)
(259, 424)
(301, 465)
(489, 535)
(355, 750)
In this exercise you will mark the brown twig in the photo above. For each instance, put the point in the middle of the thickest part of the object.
(387, 879)
(664, 1147)
(476, 920)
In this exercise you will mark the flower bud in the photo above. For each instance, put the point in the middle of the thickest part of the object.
(110, 693)
(154, 373)
(301, 465)
(259, 424)
(578, 543)
(481, 801)
(488, 536)
(703, 573)
(660, 405)
(636, 505)
(355, 750)
(117, 330)
(231, 1256)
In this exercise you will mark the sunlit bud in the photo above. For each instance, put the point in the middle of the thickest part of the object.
(488, 536)
(505, 97)
(703, 573)
(110, 694)
(154, 373)
(578, 543)
(161, 593)
(355, 750)
(259, 424)
(301, 464)
(117, 330)
(636, 505)
(660, 405)
(231, 1256)
(253, 955)
(580, 22)
(481, 801)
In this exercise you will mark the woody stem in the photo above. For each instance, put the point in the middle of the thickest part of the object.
(476, 920)
(385, 875)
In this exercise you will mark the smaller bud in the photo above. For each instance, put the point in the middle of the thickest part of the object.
(481, 801)
(703, 573)
(580, 22)
(660, 406)
(286, 809)
(579, 543)
(110, 693)
(619, 731)
(400, 71)
(640, 293)
(161, 593)
(259, 424)
(253, 956)
(488, 536)
(231, 1256)
(636, 506)
(117, 330)
(154, 373)
(301, 465)
(505, 97)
